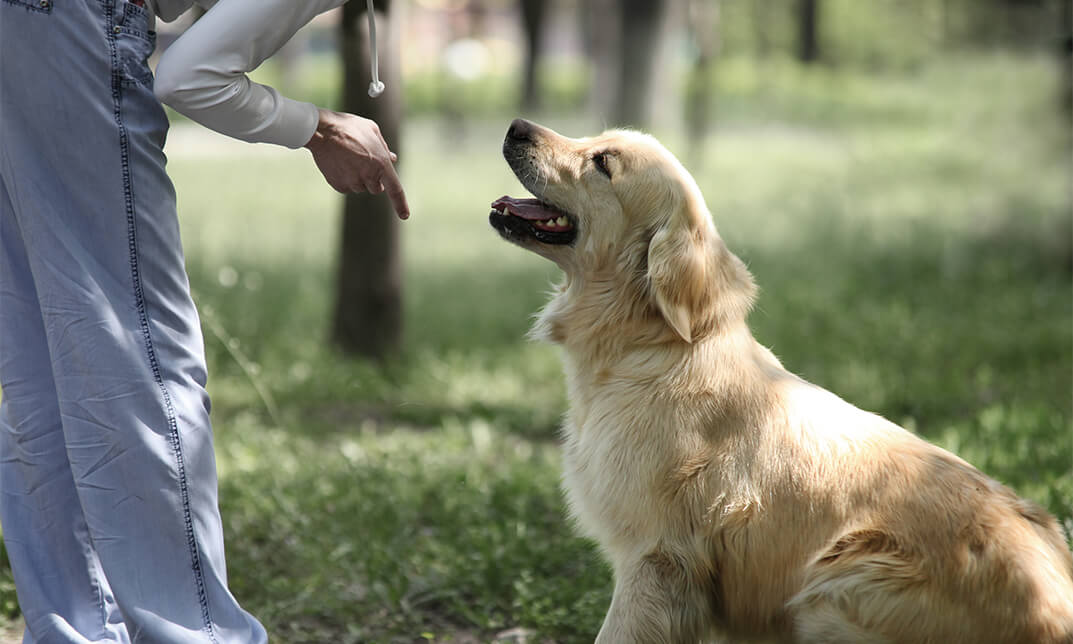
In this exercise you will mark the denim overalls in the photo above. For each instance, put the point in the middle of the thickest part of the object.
(107, 475)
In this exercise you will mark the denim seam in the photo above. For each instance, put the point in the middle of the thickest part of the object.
(95, 583)
(138, 33)
(135, 73)
(30, 6)
(143, 318)
(133, 11)
(130, 79)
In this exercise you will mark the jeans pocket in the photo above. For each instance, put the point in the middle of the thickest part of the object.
(135, 42)
(39, 6)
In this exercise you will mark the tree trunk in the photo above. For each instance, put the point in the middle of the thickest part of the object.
(703, 22)
(761, 18)
(368, 307)
(533, 14)
(808, 44)
(1065, 53)
(289, 59)
(599, 27)
(641, 25)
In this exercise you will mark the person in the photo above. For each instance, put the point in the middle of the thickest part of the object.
(108, 488)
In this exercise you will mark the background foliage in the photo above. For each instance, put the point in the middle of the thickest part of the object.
(905, 207)
(911, 240)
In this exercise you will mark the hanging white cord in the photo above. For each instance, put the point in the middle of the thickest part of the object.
(376, 88)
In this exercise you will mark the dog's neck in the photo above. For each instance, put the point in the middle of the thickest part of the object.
(611, 305)
(608, 318)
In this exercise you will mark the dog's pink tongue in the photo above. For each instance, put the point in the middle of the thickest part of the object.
(530, 209)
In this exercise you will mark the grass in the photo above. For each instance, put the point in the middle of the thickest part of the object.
(911, 235)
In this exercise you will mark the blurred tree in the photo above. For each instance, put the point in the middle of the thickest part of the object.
(640, 31)
(1065, 53)
(760, 22)
(599, 25)
(289, 60)
(368, 306)
(533, 20)
(808, 43)
(703, 25)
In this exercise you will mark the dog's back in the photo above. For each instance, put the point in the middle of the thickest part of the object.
(788, 512)
(928, 550)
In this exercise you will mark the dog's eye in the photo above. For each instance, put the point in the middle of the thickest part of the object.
(600, 161)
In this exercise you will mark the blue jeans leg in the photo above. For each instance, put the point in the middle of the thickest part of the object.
(91, 218)
(65, 596)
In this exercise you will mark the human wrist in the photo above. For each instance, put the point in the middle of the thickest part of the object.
(325, 125)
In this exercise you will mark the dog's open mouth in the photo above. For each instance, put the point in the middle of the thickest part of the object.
(516, 219)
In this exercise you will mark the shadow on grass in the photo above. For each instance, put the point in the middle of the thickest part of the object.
(930, 325)
(465, 356)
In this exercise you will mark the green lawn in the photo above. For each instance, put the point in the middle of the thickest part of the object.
(911, 235)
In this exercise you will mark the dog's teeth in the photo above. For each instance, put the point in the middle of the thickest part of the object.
(561, 221)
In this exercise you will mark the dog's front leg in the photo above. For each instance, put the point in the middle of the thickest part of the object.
(652, 604)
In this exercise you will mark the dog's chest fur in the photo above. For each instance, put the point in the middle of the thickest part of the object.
(622, 468)
(608, 469)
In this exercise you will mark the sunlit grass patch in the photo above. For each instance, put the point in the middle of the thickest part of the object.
(365, 533)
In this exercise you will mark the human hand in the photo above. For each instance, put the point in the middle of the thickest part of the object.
(353, 157)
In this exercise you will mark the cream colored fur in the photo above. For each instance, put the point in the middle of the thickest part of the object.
(733, 499)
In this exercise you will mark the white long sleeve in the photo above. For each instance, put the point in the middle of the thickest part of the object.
(204, 73)
(168, 10)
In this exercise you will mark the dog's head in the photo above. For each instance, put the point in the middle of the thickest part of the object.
(620, 208)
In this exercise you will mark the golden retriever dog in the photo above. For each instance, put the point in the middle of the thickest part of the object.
(733, 499)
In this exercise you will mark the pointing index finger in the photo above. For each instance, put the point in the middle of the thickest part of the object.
(393, 188)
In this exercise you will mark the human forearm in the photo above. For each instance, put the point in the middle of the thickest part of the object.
(203, 75)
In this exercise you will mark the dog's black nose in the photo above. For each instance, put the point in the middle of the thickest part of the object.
(520, 130)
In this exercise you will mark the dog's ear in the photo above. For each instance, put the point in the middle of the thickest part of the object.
(680, 267)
